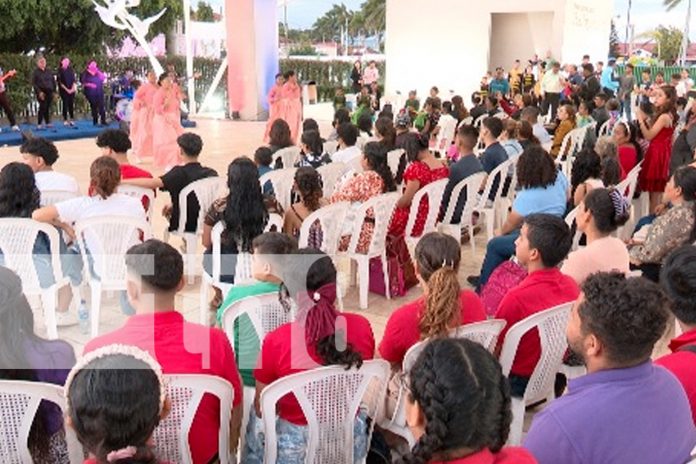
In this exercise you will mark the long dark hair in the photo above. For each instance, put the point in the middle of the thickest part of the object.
(413, 144)
(385, 128)
(437, 257)
(632, 132)
(19, 196)
(685, 178)
(245, 213)
(671, 106)
(308, 182)
(464, 396)
(114, 403)
(587, 165)
(535, 168)
(16, 328)
(376, 155)
(608, 208)
(315, 293)
(279, 135)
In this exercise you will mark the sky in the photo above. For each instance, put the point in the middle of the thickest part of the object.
(645, 14)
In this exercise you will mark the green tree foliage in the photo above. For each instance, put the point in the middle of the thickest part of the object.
(204, 12)
(73, 26)
(668, 41)
(613, 40)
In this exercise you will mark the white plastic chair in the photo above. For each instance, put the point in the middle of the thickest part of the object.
(275, 223)
(479, 120)
(17, 237)
(383, 208)
(551, 325)
(140, 193)
(288, 155)
(507, 198)
(331, 218)
(266, 314)
(282, 181)
(330, 147)
(111, 237)
(206, 192)
(604, 129)
(185, 392)
(330, 398)
(468, 186)
(19, 402)
(485, 208)
(393, 158)
(484, 333)
(51, 197)
(434, 191)
(628, 189)
(466, 122)
(330, 174)
(569, 220)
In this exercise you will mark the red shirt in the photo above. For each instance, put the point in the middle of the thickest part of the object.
(402, 331)
(284, 352)
(128, 171)
(512, 455)
(628, 158)
(539, 291)
(683, 365)
(179, 346)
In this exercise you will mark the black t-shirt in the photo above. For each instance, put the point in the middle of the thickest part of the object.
(490, 159)
(459, 171)
(174, 182)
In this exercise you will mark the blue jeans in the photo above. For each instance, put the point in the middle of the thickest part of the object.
(498, 250)
(626, 106)
(644, 221)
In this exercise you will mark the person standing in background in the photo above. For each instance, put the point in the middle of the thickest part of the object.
(291, 105)
(93, 82)
(274, 104)
(356, 77)
(551, 86)
(626, 84)
(141, 118)
(608, 79)
(370, 75)
(166, 124)
(44, 85)
(4, 101)
(67, 87)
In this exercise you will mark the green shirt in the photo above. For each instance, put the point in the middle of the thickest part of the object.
(247, 345)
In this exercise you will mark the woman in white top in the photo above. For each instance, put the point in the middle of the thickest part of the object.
(601, 212)
(585, 175)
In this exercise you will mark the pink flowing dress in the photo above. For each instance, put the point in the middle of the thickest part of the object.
(141, 120)
(166, 127)
(292, 108)
(275, 103)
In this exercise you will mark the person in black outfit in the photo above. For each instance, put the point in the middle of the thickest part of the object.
(44, 85)
(93, 84)
(356, 77)
(4, 101)
(67, 87)
(590, 86)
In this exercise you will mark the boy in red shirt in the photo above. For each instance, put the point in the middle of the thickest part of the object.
(155, 276)
(679, 281)
(544, 242)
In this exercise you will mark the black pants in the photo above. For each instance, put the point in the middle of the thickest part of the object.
(552, 100)
(7, 108)
(45, 107)
(96, 103)
(68, 105)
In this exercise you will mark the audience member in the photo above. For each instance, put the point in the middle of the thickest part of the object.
(600, 213)
(115, 144)
(41, 154)
(508, 138)
(478, 109)
(347, 138)
(279, 136)
(446, 126)
(116, 398)
(314, 291)
(385, 133)
(468, 164)
(403, 126)
(308, 187)
(678, 278)
(531, 115)
(525, 135)
(312, 153)
(590, 85)
(310, 124)
(155, 276)
(340, 116)
(629, 150)
(566, 116)
(584, 116)
(494, 154)
(267, 265)
(600, 113)
(433, 112)
(458, 406)
(643, 409)
(585, 175)
(25, 356)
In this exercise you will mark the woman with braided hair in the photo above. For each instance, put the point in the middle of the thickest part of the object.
(308, 186)
(443, 306)
(319, 336)
(599, 215)
(458, 407)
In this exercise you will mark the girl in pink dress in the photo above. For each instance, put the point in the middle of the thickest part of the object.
(655, 171)
(274, 104)
(166, 124)
(423, 168)
(141, 117)
(291, 104)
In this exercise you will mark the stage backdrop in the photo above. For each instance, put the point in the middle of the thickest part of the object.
(452, 43)
(252, 53)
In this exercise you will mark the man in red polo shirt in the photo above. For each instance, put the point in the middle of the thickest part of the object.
(543, 243)
(155, 275)
(679, 281)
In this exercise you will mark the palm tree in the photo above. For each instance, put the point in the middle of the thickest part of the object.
(670, 5)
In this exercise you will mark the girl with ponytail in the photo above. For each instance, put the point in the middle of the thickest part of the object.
(375, 179)
(458, 407)
(319, 336)
(601, 212)
(443, 306)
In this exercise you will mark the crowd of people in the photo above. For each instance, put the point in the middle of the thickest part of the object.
(627, 408)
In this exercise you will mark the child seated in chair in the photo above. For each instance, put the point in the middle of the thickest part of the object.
(266, 267)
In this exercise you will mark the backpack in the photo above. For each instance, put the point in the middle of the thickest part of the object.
(505, 277)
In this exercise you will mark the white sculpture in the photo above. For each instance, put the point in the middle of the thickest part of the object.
(115, 13)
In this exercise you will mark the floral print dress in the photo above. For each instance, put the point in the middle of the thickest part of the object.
(357, 190)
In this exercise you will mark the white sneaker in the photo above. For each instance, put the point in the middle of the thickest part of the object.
(66, 319)
(15, 128)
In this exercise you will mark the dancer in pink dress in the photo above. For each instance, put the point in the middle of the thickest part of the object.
(142, 116)
(166, 124)
(274, 104)
(291, 104)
